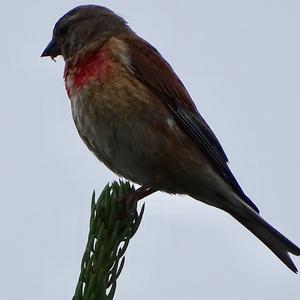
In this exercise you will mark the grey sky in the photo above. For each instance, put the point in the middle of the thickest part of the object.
(240, 61)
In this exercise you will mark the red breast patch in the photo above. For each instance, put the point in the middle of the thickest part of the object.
(95, 65)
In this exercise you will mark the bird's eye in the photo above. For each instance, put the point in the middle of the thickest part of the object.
(62, 30)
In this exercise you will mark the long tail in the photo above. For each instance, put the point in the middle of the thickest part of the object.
(272, 238)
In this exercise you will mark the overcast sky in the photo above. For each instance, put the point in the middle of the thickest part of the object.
(240, 60)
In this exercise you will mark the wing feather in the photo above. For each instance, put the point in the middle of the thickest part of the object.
(155, 72)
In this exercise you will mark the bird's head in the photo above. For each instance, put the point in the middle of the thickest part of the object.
(82, 29)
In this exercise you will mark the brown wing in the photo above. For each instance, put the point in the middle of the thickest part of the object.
(151, 69)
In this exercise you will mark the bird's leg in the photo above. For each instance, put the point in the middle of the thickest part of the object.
(143, 191)
(130, 199)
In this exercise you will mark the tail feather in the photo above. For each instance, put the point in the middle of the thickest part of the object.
(272, 238)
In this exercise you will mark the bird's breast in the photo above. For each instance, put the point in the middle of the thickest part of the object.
(96, 65)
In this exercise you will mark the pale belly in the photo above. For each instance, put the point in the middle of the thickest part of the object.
(138, 139)
(134, 137)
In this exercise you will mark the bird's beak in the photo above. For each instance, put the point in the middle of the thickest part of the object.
(51, 50)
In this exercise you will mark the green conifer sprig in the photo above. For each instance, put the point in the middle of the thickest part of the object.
(112, 225)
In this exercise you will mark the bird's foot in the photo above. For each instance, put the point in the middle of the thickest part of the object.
(131, 199)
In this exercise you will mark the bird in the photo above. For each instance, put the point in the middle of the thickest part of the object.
(134, 113)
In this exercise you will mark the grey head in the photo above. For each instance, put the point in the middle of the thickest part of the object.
(83, 27)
